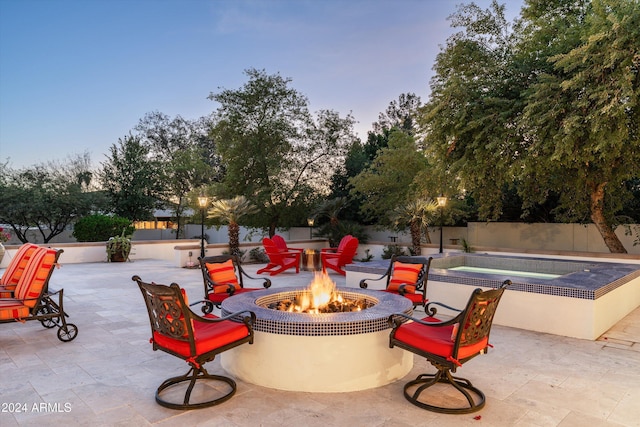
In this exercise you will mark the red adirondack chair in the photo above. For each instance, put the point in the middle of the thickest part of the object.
(336, 261)
(282, 244)
(279, 261)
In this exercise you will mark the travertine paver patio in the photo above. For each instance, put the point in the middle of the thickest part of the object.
(108, 374)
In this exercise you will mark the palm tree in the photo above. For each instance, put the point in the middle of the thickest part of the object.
(230, 211)
(416, 214)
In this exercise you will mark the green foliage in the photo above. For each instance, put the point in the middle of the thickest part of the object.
(367, 257)
(119, 247)
(99, 228)
(180, 147)
(230, 212)
(274, 151)
(47, 197)
(392, 250)
(390, 179)
(258, 255)
(553, 107)
(132, 180)
(417, 215)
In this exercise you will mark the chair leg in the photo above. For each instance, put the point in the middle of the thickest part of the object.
(424, 381)
(192, 377)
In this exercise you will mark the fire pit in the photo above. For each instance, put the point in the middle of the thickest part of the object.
(316, 351)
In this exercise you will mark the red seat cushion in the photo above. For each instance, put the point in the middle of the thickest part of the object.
(208, 336)
(435, 340)
(218, 298)
(11, 308)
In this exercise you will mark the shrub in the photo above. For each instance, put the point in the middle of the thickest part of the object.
(100, 228)
(391, 250)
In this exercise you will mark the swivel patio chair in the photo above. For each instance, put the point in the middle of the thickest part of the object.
(336, 261)
(223, 277)
(282, 244)
(406, 276)
(447, 345)
(178, 331)
(15, 269)
(279, 261)
(32, 300)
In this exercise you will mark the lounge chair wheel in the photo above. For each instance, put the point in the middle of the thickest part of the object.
(67, 332)
(47, 323)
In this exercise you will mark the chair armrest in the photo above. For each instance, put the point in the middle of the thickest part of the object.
(328, 250)
(397, 319)
(296, 249)
(250, 318)
(432, 311)
(364, 284)
(266, 283)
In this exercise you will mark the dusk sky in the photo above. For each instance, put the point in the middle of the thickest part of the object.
(76, 75)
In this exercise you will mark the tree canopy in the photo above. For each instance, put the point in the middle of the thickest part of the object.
(275, 152)
(46, 197)
(545, 108)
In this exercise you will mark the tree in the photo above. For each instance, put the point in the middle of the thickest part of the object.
(545, 107)
(417, 215)
(390, 180)
(48, 197)
(178, 146)
(230, 211)
(275, 153)
(583, 114)
(132, 180)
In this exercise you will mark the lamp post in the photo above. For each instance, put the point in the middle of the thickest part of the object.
(442, 201)
(202, 202)
(310, 222)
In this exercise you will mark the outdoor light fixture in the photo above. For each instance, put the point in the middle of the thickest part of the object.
(442, 201)
(203, 201)
(310, 222)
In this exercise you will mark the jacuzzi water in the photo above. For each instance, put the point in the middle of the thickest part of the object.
(483, 270)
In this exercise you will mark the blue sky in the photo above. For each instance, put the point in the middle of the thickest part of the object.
(76, 75)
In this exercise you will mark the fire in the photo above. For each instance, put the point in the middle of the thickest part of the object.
(320, 293)
(321, 296)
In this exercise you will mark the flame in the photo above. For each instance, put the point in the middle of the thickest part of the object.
(320, 293)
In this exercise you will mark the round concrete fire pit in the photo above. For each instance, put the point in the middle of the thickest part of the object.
(329, 352)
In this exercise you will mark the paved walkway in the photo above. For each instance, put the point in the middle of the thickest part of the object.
(108, 375)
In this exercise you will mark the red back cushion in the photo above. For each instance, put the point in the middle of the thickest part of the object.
(404, 274)
(223, 274)
(16, 267)
(35, 276)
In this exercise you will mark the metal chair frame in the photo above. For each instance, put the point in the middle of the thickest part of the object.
(420, 284)
(475, 325)
(166, 307)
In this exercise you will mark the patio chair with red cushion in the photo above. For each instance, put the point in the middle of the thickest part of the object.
(447, 345)
(178, 331)
(282, 244)
(223, 277)
(32, 299)
(406, 276)
(336, 261)
(279, 261)
(15, 269)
